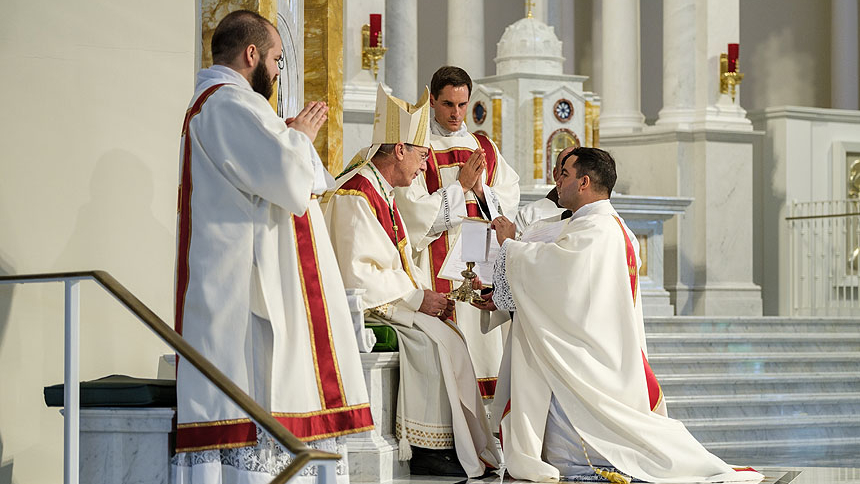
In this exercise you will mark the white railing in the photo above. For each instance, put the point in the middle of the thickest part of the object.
(304, 455)
(824, 247)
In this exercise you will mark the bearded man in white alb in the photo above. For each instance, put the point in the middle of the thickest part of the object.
(466, 176)
(258, 291)
(578, 390)
(441, 421)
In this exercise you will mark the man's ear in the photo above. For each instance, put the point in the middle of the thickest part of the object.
(585, 183)
(432, 102)
(400, 151)
(250, 55)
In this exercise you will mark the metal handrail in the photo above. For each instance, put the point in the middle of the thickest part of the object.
(303, 453)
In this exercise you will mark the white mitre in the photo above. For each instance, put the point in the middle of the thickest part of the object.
(397, 121)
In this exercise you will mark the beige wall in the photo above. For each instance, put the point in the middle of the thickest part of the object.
(93, 93)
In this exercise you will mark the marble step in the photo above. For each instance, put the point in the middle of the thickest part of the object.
(660, 343)
(773, 362)
(735, 325)
(777, 428)
(841, 452)
(678, 384)
(693, 407)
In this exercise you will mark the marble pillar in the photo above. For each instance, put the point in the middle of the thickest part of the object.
(844, 75)
(324, 75)
(717, 25)
(679, 63)
(401, 38)
(466, 36)
(620, 110)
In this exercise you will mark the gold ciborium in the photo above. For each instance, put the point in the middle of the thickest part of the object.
(465, 293)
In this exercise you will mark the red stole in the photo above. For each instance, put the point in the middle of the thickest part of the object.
(336, 417)
(450, 158)
(655, 393)
(359, 185)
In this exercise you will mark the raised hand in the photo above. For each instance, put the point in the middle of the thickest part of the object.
(310, 119)
(470, 172)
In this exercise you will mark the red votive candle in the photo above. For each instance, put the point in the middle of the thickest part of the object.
(733, 57)
(375, 28)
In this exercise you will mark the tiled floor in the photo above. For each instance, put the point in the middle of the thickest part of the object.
(773, 475)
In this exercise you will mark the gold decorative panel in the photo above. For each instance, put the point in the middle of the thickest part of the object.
(497, 122)
(537, 121)
(324, 74)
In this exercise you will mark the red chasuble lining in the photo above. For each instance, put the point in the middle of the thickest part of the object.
(655, 393)
(450, 158)
(325, 360)
(184, 208)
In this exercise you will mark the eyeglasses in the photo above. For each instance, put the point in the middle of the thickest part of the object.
(282, 59)
(425, 156)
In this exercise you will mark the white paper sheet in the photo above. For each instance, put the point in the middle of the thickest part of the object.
(454, 264)
(543, 231)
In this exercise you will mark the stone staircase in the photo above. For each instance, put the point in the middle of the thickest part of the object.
(772, 390)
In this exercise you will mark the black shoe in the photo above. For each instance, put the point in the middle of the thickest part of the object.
(435, 462)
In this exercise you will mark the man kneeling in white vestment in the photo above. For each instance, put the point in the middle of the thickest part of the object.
(575, 388)
(369, 237)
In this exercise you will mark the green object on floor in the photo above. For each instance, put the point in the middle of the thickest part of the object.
(386, 337)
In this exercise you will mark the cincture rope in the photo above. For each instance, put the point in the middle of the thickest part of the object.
(610, 476)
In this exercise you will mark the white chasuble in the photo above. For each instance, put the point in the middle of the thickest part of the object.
(258, 291)
(439, 405)
(578, 338)
(433, 207)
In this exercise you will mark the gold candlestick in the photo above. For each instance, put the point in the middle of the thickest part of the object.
(370, 56)
(729, 80)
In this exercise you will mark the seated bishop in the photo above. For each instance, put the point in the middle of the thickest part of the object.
(440, 419)
(576, 394)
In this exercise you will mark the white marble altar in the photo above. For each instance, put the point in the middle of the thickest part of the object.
(128, 445)
(709, 258)
(645, 216)
(804, 157)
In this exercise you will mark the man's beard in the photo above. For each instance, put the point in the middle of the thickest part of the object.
(261, 82)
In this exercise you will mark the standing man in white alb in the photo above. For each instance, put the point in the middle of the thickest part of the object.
(258, 290)
(466, 176)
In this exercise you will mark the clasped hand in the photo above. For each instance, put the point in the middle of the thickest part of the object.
(470, 173)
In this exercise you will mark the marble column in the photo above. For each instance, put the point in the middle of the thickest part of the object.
(401, 38)
(843, 55)
(597, 49)
(620, 110)
(324, 76)
(466, 36)
(717, 25)
(679, 63)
